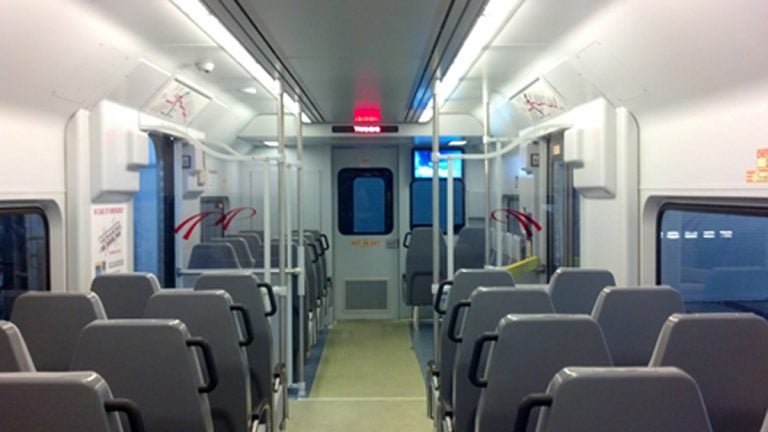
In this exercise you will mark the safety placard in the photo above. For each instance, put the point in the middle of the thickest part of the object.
(109, 246)
(366, 243)
(539, 102)
(760, 173)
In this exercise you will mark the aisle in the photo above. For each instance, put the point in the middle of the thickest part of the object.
(368, 380)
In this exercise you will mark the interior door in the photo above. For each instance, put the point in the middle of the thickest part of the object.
(366, 244)
(563, 210)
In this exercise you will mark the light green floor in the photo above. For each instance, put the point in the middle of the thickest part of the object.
(368, 380)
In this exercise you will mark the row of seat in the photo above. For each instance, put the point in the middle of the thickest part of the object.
(245, 250)
(479, 389)
(191, 359)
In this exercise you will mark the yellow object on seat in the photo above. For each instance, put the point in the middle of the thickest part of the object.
(524, 266)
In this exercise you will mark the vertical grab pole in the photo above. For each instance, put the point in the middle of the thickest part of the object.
(284, 312)
(500, 204)
(486, 171)
(300, 254)
(435, 214)
(267, 240)
(449, 213)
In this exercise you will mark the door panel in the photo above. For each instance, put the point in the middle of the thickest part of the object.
(366, 252)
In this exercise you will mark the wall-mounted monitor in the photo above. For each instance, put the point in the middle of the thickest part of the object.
(422, 163)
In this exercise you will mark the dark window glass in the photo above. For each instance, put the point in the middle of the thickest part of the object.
(716, 257)
(421, 204)
(365, 201)
(24, 262)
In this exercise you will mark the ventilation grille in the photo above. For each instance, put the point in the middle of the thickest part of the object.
(365, 295)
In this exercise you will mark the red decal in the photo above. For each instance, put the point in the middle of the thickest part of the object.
(526, 221)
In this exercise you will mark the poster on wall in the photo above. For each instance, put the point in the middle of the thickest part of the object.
(109, 246)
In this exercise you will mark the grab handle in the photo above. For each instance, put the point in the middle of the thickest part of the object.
(272, 301)
(454, 319)
(439, 295)
(210, 363)
(247, 323)
(477, 352)
(527, 405)
(131, 411)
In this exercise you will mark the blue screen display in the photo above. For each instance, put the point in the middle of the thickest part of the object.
(422, 163)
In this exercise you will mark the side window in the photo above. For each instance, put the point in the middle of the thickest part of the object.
(717, 257)
(365, 199)
(24, 261)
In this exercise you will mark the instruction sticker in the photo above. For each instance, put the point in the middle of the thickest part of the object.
(108, 242)
(760, 173)
(366, 243)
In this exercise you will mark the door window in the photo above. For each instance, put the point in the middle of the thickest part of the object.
(365, 203)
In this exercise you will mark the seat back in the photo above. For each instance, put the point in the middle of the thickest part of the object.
(486, 306)
(418, 267)
(575, 290)
(213, 256)
(62, 402)
(14, 355)
(469, 251)
(727, 355)
(631, 318)
(253, 240)
(51, 323)
(152, 363)
(465, 282)
(624, 399)
(125, 295)
(242, 250)
(210, 314)
(244, 288)
(529, 351)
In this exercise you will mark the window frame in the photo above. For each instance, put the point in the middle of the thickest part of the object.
(345, 207)
(738, 210)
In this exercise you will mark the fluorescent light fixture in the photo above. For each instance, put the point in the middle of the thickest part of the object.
(208, 23)
(271, 143)
(487, 26)
(249, 90)
(458, 143)
(293, 107)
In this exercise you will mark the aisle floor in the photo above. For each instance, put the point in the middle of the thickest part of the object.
(368, 380)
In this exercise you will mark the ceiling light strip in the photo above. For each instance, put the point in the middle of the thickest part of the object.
(495, 15)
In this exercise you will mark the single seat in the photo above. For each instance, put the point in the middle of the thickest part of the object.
(464, 282)
(417, 281)
(266, 376)
(727, 355)
(62, 402)
(211, 315)
(575, 290)
(51, 323)
(469, 251)
(153, 363)
(14, 355)
(631, 319)
(125, 295)
(485, 307)
(528, 351)
(213, 256)
(253, 240)
(619, 399)
(242, 250)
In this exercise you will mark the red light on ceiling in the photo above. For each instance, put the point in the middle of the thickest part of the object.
(367, 115)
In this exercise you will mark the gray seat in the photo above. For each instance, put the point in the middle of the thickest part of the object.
(211, 315)
(153, 363)
(417, 281)
(464, 282)
(213, 256)
(62, 402)
(529, 351)
(631, 319)
(622, 399)
(469, 251)
(245, 288)
(14, 355)
(51, 323)
(125, 295)
(575, 290)
(242, 250)
(727, 355)
(485, 307)
(253, 240)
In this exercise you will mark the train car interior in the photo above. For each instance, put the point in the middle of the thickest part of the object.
(344, 215)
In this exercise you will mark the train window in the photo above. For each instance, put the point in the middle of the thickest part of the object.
(365, 201)
(717, 257)
(421, 203)
(24, 263)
